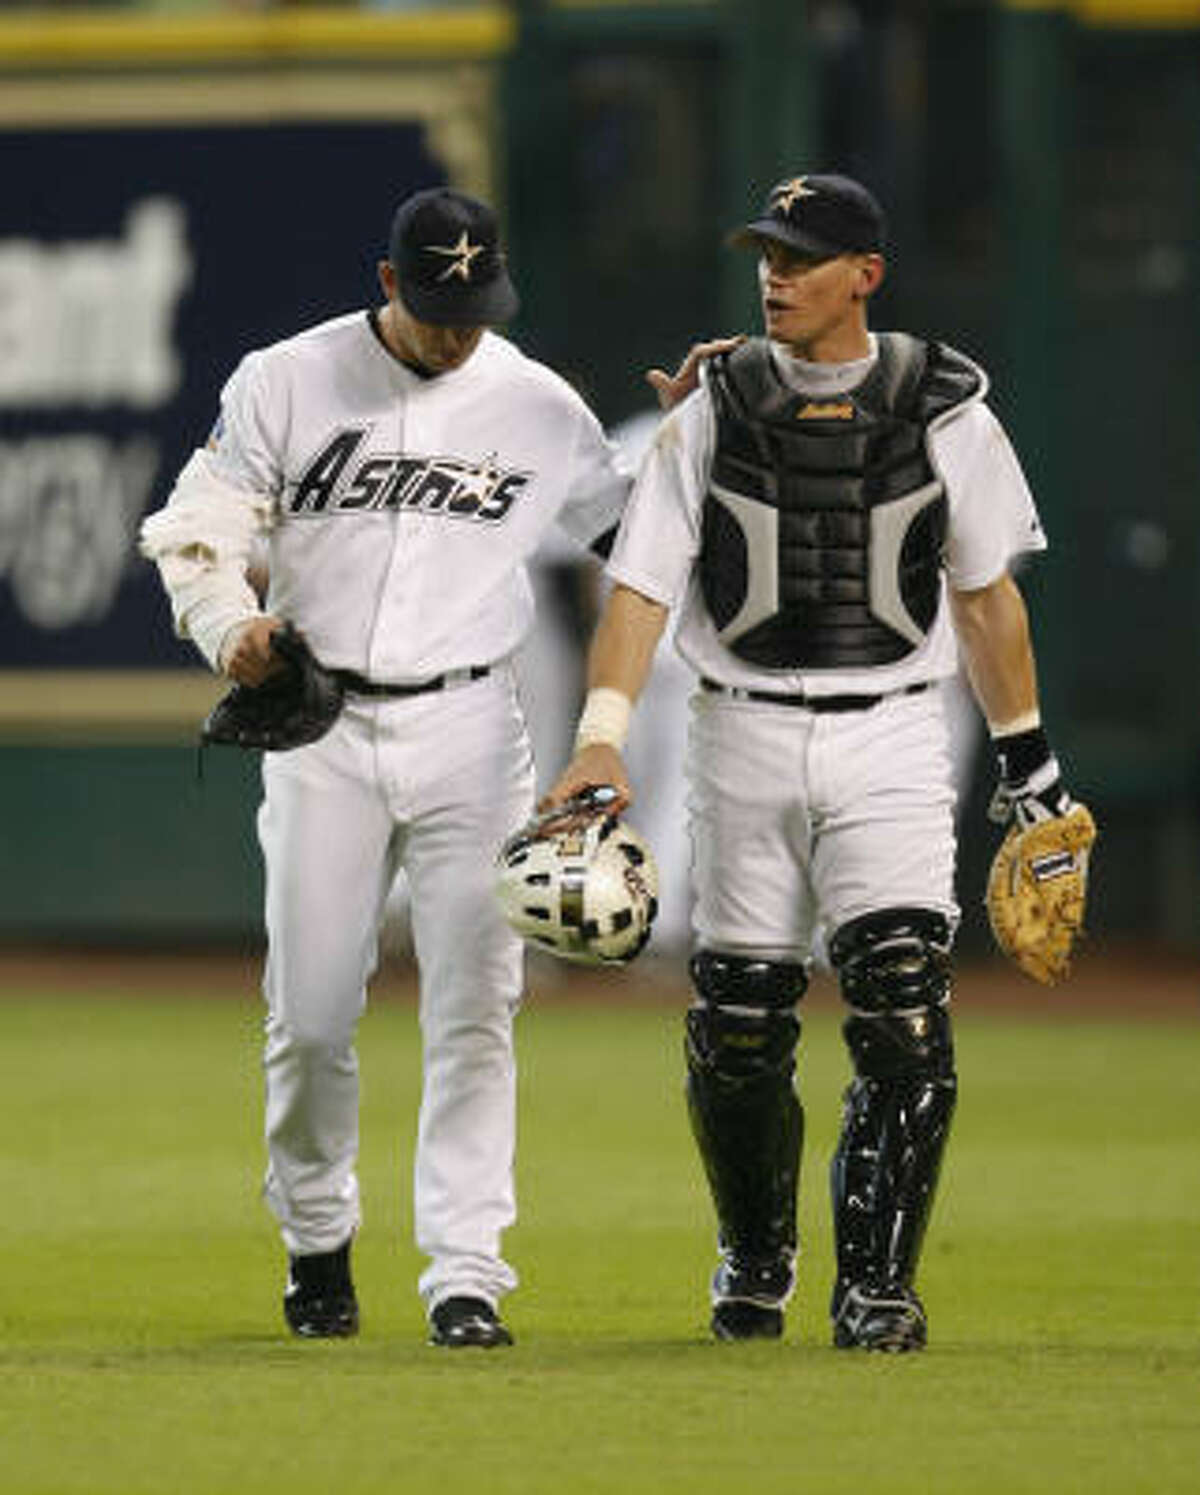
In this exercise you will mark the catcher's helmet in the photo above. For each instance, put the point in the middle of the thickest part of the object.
(580, 883)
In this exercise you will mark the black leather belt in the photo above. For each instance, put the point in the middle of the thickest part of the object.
(359, 685)
(811, 703)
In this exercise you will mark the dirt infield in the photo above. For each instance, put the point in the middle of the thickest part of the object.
(1132, 981)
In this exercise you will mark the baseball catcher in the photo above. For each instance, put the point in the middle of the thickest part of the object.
(834, 518)
(1037, 886)
(296, 704)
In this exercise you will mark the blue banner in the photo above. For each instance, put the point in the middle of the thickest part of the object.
(137, 266)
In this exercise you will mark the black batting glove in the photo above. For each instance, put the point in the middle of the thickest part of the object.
(1031, 787)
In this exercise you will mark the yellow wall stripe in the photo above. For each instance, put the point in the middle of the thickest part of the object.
(46, 705)
(1148, 15)
(33, 38)
(101, 38)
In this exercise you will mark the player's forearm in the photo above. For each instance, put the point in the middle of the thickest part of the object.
(619, 664)
(202, 542)
(993, 631)
(626, 638)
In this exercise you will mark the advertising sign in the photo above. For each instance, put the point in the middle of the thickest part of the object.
(137, 266)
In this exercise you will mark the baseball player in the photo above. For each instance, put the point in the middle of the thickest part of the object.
(831, 511)
(401, 465)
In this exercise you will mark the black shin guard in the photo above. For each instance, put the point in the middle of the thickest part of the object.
(898, 1109)
(746, 1117)
(884, 1175)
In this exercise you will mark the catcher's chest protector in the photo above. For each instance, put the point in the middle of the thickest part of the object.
(824, 521)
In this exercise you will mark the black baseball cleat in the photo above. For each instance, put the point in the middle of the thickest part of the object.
(319, 1301)
(467, 1323)
(890, 1320)
(748, 1297)
(746, 1321)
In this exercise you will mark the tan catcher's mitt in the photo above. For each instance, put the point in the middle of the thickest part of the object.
(1036, 892)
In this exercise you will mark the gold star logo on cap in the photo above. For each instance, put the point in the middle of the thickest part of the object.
(788, 193)
(462, 254)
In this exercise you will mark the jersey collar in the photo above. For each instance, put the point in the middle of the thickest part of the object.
(822, 378)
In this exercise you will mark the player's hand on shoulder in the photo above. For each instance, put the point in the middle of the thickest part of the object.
(246, 654)
(672, 388)
(592, 766)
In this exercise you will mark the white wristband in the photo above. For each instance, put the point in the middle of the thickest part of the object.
(605, 718)
(1024, 723)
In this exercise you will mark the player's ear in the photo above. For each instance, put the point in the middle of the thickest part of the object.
(387, 278)
(871, 270)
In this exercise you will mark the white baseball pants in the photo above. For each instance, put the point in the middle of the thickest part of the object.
(801, 821)
(432, 783)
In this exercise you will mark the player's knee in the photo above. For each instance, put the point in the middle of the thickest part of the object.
(915, 1044)
(892, 960)
(743, 1026)
(310, 1039)
(894, 969)
(723, 980)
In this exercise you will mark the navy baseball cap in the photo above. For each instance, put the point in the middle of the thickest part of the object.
(445, 249)
(826, 215)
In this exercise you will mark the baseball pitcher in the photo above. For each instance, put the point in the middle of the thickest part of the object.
(397, 467)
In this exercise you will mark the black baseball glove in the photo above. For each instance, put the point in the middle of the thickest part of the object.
(296, 705)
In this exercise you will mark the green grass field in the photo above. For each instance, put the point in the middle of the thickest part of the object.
(140, 1338)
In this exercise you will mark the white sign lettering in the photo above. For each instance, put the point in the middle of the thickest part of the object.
(90, 322)
(69, 507)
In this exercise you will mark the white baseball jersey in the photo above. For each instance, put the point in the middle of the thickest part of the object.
(991, 518)
(402, 508)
